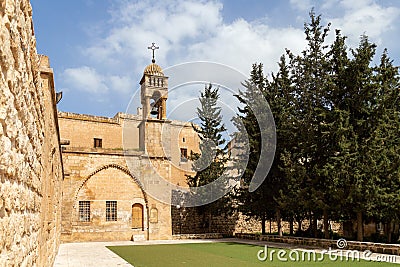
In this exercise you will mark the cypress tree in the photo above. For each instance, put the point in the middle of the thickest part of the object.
(211, 163)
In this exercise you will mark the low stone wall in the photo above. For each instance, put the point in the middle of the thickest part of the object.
(393, 249)
(198, 236)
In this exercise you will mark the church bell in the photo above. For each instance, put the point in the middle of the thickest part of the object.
(154, 111)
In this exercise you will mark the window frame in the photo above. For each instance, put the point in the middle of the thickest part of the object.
(184, 154)
(111, 211)
(97, 142)
(84, 210)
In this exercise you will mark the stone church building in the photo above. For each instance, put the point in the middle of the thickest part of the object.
(81, 177)
(109, 162)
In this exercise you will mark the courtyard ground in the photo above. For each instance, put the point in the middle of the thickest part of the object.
(97, 254)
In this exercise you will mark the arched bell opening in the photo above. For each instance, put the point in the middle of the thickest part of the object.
(157, 106)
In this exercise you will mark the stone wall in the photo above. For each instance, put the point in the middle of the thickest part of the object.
(189, 221)
(102, 174)
(247, 224)
(101, 177)
(98, 177)
(118, 171)
(82, 129)
(30, 159)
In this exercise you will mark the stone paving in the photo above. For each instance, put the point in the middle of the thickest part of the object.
(88, 254)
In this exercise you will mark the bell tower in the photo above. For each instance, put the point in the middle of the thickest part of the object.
(153, 95)
(154, 90)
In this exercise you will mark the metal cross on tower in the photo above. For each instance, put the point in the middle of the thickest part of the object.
(153, 47)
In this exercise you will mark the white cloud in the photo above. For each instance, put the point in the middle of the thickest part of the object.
(242, 43)
(302, 5)
(356, 4)
(187, 31)
(86, 79)
(121, 84)
(89, 80)
(365, 17)
(171, 24)
(355, 17)
(184, 31)
(330, 4)
(196, 30)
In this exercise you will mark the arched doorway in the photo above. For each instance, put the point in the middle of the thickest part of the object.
(137, 216)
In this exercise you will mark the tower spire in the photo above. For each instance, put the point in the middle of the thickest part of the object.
(153, 47)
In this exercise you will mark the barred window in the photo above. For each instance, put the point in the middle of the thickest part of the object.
(111, 211)
(84, 211)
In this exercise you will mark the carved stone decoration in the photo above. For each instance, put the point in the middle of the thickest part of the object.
(153, 214)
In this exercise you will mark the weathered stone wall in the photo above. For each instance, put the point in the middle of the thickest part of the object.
(101, 177)
(30, 159)
(82, 129)
(189, 221)
(97, 174)
(182, 136)
(247, 224)
(104, 174)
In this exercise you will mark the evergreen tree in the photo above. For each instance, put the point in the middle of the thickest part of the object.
(384, 143)
(354, 103)
(364, 123)
(281, 97)
(260, 203)
(337, 122)
(211, 163)
(310, 77)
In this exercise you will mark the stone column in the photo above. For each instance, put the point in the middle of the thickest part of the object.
(164, 108)
(146, 108)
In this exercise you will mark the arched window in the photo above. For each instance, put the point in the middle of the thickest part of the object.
(137, 216)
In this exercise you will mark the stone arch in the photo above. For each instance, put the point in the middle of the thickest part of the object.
(156, 96)
(115, 166)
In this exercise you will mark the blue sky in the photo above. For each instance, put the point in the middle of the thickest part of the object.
(98, 48)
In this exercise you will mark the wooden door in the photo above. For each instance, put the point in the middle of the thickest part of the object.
(137, 216)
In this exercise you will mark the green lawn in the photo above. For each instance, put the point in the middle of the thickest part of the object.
(217, 254)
